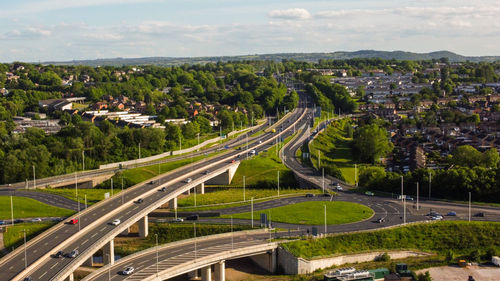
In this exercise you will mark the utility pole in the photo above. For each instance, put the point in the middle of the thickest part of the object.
(251, 204)
(402, 196)
(278, 183)
(83, 160)
(244, 199)
(319, 159)
(76, 186)
(430, 184)
(34, 178)
(323, 172)
(404, 210)
(180, 143)
(325, 219)
(139, 150)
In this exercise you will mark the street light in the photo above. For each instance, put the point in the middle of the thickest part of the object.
(156, 236)
(25, 255)
(232, 234)
(251, 204)
(83, 160)
(244, 197)
(469, 204)
(34, 178)
(12, 209)
(109, 268)
(325, 218)
(278, 183)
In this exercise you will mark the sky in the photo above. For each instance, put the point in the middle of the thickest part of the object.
(57, 30)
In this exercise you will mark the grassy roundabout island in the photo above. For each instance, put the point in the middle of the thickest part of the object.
(312, 213)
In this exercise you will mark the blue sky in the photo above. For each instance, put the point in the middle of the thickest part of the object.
(42, 30)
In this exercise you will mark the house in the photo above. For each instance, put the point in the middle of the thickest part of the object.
(99, 105)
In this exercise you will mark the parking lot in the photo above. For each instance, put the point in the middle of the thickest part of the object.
(455, 273)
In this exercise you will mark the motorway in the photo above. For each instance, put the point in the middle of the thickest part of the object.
(47, 198)
(68, 237)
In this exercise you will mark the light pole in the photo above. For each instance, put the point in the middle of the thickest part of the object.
(430, 183)
(139, 150)
(319, 159)
(122, 189)
(278, 183)
(34, 177)
(469, 204)
(180, 143)
(25, 255)
(418, 206)
(194, 224)
(244, 197)
(325, 218)
(251, 204)
(83, 160)
(11, 209)
(156, 236)
(76, 186)
(402, 189)
(247, 145)
(323, 172)
(111, 187)
(356, 175)
(109, 268)
(232, 234)
(79, 215)
(198, 135)
(404, 210)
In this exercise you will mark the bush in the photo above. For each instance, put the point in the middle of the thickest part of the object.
(384, 257)
(424, 276)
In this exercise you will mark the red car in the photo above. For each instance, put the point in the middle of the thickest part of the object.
(73, 221)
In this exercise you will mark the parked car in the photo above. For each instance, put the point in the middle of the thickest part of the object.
(59, 254)
(73, 254)
(192, 217)
(177, 220)
(188, 180)
(452, 214)
(115, 222)
(73, 221)
(480, 215)
(127, 271)
(436, 218)
(339, 188)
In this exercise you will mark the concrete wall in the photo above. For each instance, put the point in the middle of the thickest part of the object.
(84, 182)
(293, 265)
(266, 261)
(224, 178)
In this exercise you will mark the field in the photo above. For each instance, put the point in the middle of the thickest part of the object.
(15, 235)
(29, 208)
(235, 196)
(453, 239)
(312, 213)
(335, 151)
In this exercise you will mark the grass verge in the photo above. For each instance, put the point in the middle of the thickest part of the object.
(311, 213)
(14, 236)
(451, 239)
(29, 208)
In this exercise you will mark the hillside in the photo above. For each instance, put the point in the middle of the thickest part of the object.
(310, 57)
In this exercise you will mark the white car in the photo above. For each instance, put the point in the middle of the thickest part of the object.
(115, 222)
(36, 220)
(436, 218)
(252, 151)
(177, 220)
(127, 271)
(188, 180)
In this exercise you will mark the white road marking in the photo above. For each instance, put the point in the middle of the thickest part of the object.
(43, 275)
(54, 265)
(87, 240)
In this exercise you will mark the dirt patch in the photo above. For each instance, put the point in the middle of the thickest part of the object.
(455, 273)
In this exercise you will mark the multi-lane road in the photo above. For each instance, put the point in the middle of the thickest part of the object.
(94, 228)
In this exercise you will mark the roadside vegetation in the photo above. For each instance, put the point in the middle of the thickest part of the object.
(473, 241)
(29, 208)
(312, 213)
(14, 236)
(169, 233)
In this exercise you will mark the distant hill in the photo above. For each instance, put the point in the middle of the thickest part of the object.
(310, 57)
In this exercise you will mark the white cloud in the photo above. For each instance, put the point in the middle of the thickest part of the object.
(26, 33)
(291, 14)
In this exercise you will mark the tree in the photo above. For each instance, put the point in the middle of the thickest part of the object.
(371, 143)
(424, 276)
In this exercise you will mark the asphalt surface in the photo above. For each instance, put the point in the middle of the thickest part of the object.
(91, 235)
(47, 198)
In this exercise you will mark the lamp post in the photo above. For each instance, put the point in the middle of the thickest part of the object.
(278, 183)
(244, 197)
(469, 205)
(402, 189)
(325, 219)
(109, 268)
(83, 160)
(157, 258)
(430, 184)
(25, 255)
(323, 172)
(11, 209)
(34, 177)
(251, 204)
(139, 150)
(356, 175)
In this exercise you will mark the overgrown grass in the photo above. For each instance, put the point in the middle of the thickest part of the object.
(335, 150)
(461, 238)
(14, 236)
(228, 195)
(337, 212)
(29, 208)
(170, 233)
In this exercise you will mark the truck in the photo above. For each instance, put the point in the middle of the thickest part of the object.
(402, 270)
(495, 260)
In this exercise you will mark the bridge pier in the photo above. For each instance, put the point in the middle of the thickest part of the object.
(194, 274)
(71, 277)
(266, 261)
(172, 204)
(143, 227)
(188, 192)
(200, 189)
(125, 232)
(89, 262)
(206, 273)
(220, 271)
(108, 252)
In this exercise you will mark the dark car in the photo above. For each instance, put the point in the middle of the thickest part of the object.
(206, 172)
(163, 189)
(480, 215)
(151, 182)
(452, 214)
(309, 195)
(59, 254)
(28, 278)
(326, 195)
(73, 254)
(139, 201)
(18, 221)
(192, 217)
(380, 220)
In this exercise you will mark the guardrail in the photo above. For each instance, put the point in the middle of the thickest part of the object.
(62, 273)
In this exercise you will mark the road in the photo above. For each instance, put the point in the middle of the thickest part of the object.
(47, 198)
(91, 234)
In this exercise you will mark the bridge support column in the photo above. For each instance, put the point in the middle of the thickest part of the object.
(206, 273)
(200, 189)
(71, 277)
(143, 227)
(266, 261)
(108, 253)
(89, 262)
(125, 232)
(220, 271)
(188, 192)
(193, 274)
(172, 204)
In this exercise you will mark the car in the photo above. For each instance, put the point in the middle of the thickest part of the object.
(18, 221)
(252, 151)
(28, 278)
(36, 220)
(73, 221)
(480, 215)
(192, 217)
(260, 142)
(127, 271)
(232, 161)
(152, 182)
(115, 222)
(188, 180)
(369, 193)
(73, 254)
(163, 189)
(206, 172)
(309, 195)
(380, 220)
(59, 254)
(177, 220)
(433, 214)
(436, 218)
(326, 195)
(339, 188)
(2, 223)
(139, 201)
(452, 214)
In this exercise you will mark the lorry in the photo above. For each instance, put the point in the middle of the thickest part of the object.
(495, 260)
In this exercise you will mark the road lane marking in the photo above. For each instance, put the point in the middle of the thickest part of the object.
(54, 265)
(43, 275)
